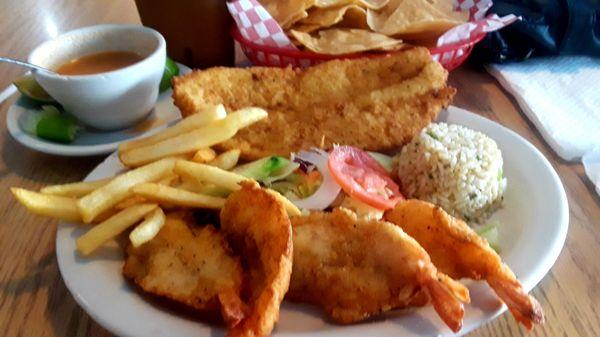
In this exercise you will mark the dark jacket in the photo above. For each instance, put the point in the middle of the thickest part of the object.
(548, 27)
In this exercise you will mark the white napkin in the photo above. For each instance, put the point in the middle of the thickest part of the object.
(561, 97)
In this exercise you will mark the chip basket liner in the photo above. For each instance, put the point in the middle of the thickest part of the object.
(265, 44)
(450, 56)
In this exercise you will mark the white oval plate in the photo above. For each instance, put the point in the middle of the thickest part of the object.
(91, 142)
(533, 228)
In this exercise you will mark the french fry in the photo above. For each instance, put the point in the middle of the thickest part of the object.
(290, 208)
(178, 197)
(214, 190)
(112, 227)
(226, 160)
(205, 136)
(105, 215)
(119, 188)
(74, 190)
(209, 114)
(192, 185)
(136, 199)
(148, 229)
(189, 184)
(209, 174)
(204, 155)
(130, 201)
(168, 180)
(54, 206)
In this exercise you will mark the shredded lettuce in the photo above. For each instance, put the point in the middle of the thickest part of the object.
(490, 233)
(282, 173)
(263, 168)
(298, 185)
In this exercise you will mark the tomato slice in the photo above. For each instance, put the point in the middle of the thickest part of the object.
(363, 178)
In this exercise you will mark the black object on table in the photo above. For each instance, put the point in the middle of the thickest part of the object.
(547, 27)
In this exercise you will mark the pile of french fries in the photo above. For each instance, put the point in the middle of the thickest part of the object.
(174, 168)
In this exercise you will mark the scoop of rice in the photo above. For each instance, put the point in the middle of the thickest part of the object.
(454, 167)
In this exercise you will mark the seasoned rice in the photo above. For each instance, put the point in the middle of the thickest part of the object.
(454, 167)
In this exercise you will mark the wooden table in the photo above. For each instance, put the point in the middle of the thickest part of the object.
(33, 297)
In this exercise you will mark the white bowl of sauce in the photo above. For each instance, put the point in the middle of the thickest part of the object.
(107, 75)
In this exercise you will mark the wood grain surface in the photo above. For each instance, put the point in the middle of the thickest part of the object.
(33, 297)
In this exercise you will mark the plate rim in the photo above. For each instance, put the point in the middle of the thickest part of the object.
(542, 267)
(559, 242)
(36, 144)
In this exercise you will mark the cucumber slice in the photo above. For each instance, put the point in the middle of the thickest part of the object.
(263, 168)
(490, 233)
(383, 160)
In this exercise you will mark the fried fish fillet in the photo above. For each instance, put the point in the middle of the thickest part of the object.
(193, 266)
(375, 104)
(256, 225)
(458, 251)
(355, 268)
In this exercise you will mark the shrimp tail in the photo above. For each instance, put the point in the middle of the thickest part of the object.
(523, 307)
(232, 308)
(446, 296)
(458, 289)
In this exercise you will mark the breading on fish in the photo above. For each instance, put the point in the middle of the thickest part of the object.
(376, 104)
(458, 251)
(256, 225)
(193, 266)
(356, 268)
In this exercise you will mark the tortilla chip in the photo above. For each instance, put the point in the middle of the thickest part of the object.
(409, 17)
(346, 41)
(429, 42)
(355, 17)
(304, 28)
(447, 7)
(372, 4)
(287, 12)
(329, 16)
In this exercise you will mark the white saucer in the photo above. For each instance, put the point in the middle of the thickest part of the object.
(91, 142)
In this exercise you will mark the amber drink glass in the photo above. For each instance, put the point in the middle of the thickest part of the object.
(196, 31)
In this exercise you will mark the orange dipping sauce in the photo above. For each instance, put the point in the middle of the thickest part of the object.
(99, 63)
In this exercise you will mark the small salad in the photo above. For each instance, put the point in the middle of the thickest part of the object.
(345, 176)
(313, 179)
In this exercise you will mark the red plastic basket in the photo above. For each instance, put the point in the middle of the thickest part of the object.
(450, 56)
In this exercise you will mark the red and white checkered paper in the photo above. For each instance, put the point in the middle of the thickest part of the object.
(476, 8)
(478, 24)
(257, 25)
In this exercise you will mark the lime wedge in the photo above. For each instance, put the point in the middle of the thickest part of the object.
(29, 87)
(171, 70)
(58, 128)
